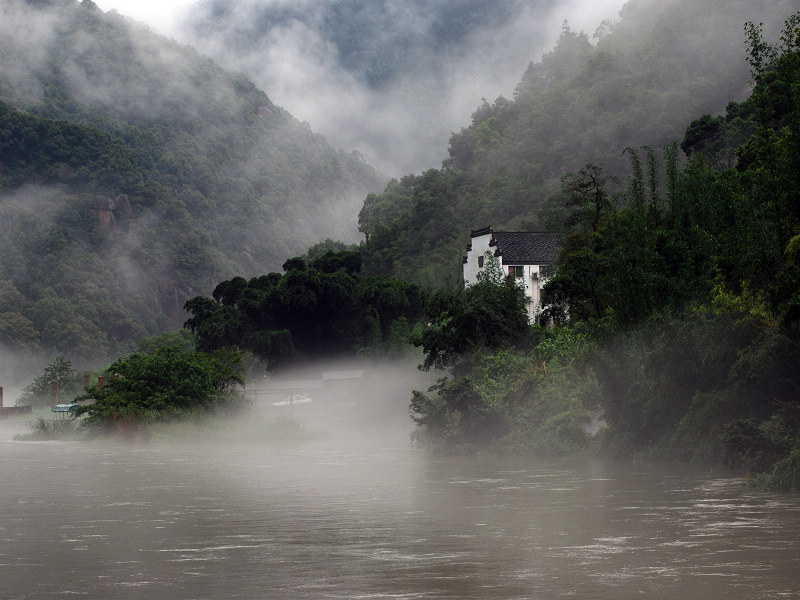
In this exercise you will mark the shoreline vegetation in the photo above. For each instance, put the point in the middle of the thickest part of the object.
(250, 426)
(675, 305)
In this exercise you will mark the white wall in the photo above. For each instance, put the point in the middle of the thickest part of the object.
(480, 245)
(531, 280)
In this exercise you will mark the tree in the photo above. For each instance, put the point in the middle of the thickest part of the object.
(492, 271)
(183, 338)
(347, 260)
(60, 371)
(17, 331)
(142, 389)
(325, 308)
(116, 198)
(586, 194)
(482, 316)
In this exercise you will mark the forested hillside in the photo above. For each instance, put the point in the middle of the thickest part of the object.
(671, 174)
(676, 299)
(135, 173)
(637, 81)
(393, 78)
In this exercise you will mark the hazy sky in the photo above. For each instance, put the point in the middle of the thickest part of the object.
(159, 14)
(393, 131)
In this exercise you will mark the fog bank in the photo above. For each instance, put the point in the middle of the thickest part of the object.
(390, 80)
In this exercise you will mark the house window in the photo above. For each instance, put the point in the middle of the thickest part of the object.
(516, 271)
(480, 262)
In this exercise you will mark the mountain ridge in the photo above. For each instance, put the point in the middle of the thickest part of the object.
(649, 74)
(138, 169)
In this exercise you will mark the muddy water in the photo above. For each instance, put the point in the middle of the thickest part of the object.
(378, 520)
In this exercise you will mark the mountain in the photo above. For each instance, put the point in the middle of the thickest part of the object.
(636, 84)
(395, 77)
(136, 173)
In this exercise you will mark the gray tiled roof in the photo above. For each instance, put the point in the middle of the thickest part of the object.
(527, 247)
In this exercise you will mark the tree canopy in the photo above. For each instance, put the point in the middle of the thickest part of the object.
(485, 316)
(136, 174)
(322, 309)
(145, 388)
(636, 83)
(676, 291)
(61, 372)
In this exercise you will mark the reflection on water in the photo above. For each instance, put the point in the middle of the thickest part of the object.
(381, 521)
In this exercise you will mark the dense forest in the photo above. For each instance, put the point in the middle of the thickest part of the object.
(322, 308)
(676, 299)
(637, 81)
(675, 303)
(136, 173)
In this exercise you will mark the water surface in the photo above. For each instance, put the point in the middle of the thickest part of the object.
(378, 520)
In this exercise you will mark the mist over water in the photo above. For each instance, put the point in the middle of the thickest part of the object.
(354, 510)
(361, 517)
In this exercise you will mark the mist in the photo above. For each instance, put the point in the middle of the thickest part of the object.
(360, 513)
(248, 185)
(398, 117)
(352, 401)
(330, 498)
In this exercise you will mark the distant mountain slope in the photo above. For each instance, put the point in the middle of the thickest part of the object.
(649, 74)
(395, 77)
(135, 173)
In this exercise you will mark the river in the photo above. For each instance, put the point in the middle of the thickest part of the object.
(378, 519)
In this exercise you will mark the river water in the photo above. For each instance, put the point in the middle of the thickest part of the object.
(378, 519)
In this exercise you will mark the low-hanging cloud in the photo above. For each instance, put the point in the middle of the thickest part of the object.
(401, 125)
(404, 124)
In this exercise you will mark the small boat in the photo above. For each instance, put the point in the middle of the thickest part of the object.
(292, 399)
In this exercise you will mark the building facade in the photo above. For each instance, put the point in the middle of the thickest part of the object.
(527, 255)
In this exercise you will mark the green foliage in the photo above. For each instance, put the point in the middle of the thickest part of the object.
(171, 382)
(18, 332)
(52, 429)
(348, 261)
(138, 173)
(658, 67)
(416, 233)
(718, 138)
(563, 343)
(510, 401)
(680, 300)
(323, 309)
(696, 388)
(785, 475)
(60, 371)
(182, 338)
(724, 237)
(492, 271)
(457, 417)
(482, 316)
(751, 443)
(670, 388)
(328, 245)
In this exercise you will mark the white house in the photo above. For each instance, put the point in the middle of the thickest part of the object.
(528, 255)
